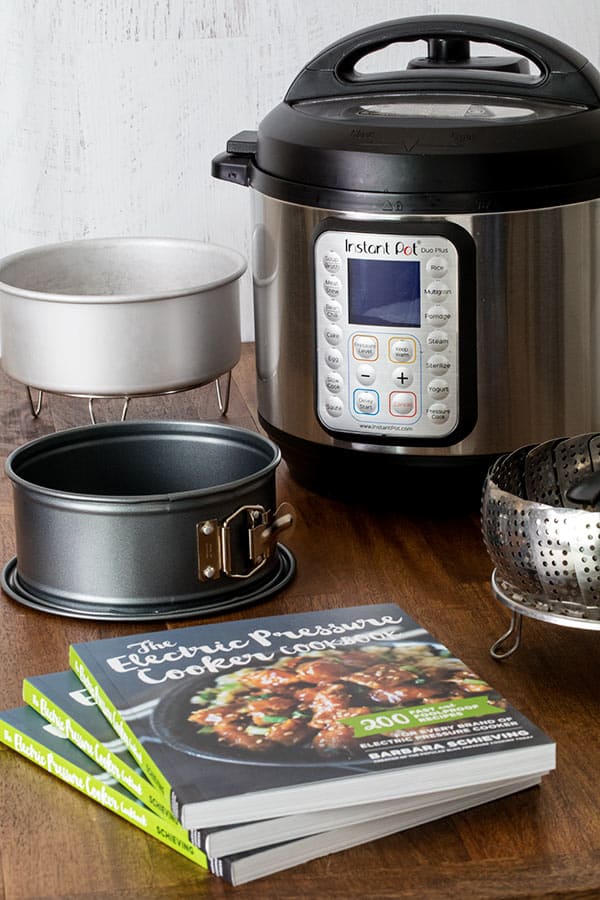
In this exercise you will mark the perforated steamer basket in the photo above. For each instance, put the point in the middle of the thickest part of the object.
(541, 527)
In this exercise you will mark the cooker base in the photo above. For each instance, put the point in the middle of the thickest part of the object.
(363, 476)
(202, 605)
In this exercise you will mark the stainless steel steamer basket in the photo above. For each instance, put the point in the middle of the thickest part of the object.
(541, 526)
(146, 520)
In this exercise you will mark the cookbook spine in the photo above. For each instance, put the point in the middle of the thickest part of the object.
(96, 750)
(111, 713)
(200, 838)
(172, 835)
(222, 868)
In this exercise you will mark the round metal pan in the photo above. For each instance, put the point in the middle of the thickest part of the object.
(121, 316)
(110, 521)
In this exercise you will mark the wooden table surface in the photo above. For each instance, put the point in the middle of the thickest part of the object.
(542, 843)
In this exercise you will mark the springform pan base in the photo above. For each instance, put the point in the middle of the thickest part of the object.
(245, 595)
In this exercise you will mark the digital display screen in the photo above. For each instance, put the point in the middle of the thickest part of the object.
(384, 292)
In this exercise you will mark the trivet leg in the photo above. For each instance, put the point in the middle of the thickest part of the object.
(36, 407)
(223, 401)
(514, 632)
(92, 411)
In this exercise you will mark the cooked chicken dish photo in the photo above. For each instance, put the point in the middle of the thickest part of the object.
(301, 701)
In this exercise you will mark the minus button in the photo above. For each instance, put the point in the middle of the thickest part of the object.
(365, 374)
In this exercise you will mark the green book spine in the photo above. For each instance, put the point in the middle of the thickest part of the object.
(107, 708)
(171, 835)
(97, 751)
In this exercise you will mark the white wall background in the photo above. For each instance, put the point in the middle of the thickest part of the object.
(111, 110)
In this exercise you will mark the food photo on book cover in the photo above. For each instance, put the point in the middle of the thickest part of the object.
(314, 701)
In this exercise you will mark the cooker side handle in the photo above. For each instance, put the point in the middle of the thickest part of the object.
(565, 74)
(236, 163)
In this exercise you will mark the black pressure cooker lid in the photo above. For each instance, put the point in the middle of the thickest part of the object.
(454, 132)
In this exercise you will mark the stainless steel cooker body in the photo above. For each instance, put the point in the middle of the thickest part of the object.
(424, 250)
(537, 316)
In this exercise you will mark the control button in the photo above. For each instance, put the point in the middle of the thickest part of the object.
(334, 407)
(437, 340)
(437, 364)
(366, 402)
(437, 267)
(334, 358)
(437, 315)
(365, 374)
(438, 388)
(333, 335)
(365, 346)
(438, 291)
(334, 382)
(332, 286)
(333, 262)
(402, 350)
(438, 413)
(402, 377)
(333, 310)
(403, 403)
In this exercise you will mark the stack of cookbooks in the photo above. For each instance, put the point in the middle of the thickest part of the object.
(255, 745)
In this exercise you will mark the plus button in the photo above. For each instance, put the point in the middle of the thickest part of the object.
(403, 376)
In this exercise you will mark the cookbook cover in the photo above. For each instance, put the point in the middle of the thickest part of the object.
(26, 732)
(63, 701)
(252, 719)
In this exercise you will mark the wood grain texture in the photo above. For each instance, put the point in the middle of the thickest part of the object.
(111, 112)
(542, 844)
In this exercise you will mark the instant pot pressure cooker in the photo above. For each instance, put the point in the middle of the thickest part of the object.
(425, 253)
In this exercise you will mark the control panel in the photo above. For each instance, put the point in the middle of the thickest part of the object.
(388, 333)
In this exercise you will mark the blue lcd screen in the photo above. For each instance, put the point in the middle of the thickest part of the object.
(384, 292)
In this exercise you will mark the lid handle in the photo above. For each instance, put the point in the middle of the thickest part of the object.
(565, 75)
